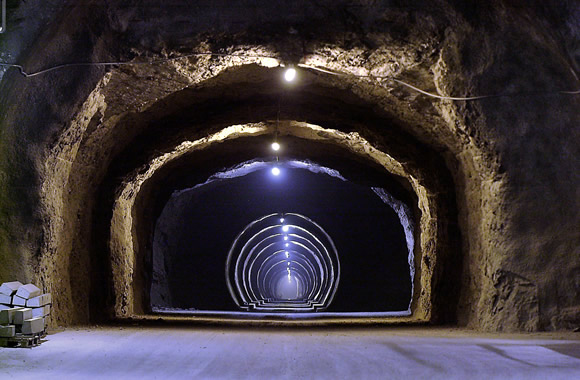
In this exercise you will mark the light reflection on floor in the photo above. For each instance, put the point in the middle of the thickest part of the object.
(212, 352)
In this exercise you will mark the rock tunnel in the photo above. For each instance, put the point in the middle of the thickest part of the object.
(427, 170)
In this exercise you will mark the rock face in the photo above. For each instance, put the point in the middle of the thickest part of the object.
(90, 154)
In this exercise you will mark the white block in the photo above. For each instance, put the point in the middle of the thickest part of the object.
(5, 299)
(21, 315)
(7, 331)
(33, 326)
(18, 301)
(42, 311)
(7, 315)
(28, 291)
(9, 288)
(41, 300)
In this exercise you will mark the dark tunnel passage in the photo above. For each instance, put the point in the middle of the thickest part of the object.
(198, 226)
(181, 143)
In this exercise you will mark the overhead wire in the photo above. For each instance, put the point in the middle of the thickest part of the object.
(468, 98)
(304, 66)
(127, 63)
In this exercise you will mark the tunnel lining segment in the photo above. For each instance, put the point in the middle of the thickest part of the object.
(246, 249)
(353, 141)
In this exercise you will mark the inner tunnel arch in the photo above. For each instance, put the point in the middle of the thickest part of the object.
(190, 116)
(261, 133)
(279, 246)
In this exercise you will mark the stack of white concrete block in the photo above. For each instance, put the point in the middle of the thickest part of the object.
(23, 309)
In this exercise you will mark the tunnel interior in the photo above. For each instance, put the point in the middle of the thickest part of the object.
(350, 244)
(150, 214)
(118, 131)
(182, 210)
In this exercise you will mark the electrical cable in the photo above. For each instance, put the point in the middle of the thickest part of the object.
(105, 64)
(435, 95)
(378, 77)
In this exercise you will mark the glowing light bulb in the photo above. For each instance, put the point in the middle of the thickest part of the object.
(287, 256)
(285, 229)
(286, 245)
(288, 263)
(290, 74)
(275, 146)
(275, 171)
(281, 220)
(285, 237)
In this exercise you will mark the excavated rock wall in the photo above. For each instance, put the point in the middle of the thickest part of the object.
(500, 174)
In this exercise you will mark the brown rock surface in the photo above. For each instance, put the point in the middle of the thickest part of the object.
(83, 148)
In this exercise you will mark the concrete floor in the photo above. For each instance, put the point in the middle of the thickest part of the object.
(212, 352)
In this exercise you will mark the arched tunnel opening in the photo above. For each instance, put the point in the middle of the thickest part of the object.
(187, 210)
(170, 206)
(283, 262)
(384, 197)
(340, 243)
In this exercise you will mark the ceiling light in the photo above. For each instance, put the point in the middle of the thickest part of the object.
(290, 74)
(275, 146)
(275, 171)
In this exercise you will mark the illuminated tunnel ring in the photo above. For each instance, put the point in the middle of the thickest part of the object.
(308, 271)
(283, 262)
